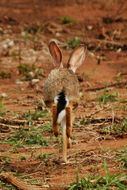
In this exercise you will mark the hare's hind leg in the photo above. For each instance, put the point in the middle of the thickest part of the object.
(63, 125)
(54, 116)
(68, 125)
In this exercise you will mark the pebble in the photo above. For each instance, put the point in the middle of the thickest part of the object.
(18, 81)
(11, 43)
(35, 80)
(7, 44)
(4, 95)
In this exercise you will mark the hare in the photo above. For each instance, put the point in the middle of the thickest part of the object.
(61, 90)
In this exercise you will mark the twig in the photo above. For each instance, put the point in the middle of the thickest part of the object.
(103, 120)
(107, 41)
(17, 183)
(107, 86)
(13, 122)
(97, 111)
(20, 122)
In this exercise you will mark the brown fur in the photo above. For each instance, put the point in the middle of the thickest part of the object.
(61, 79)
(54, 116)
(68, 121)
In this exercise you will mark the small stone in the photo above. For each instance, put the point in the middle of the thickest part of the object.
(58, 34)
(35, 80)
(81, 94)
(4, 95)
(18, 82)
(11, 43)
(1, 30)
(4, 46)
(119, 50)
(89, 27)
(31, 74)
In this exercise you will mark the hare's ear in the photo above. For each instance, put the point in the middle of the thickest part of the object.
(77, 57)
(55, 53)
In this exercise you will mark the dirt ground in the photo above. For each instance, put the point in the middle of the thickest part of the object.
(28, 148)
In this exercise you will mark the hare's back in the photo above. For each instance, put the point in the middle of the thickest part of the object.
(60, 80)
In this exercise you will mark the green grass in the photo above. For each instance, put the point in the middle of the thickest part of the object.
(5, 186)
(22, 157)
(32, 33)
(30, 135)
(15, 150)
(122, 157)
(23, 137)
(118, 77)
(5, 75)
(47, 128)
(5, 159)
(44, 156)
(34, 115)
(33, 182)
(67, 20)
(116, 129)
(72, 43)
(2, 110)
(115, 181)
(108, 97)
(15, 53)
(26, 69)
(29, 71)
(83, 122)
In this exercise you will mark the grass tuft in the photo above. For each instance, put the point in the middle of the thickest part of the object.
(115, 181)
(67, 20)
(106, 97)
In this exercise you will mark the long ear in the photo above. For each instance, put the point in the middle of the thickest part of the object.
(55, 53)
(77, 57)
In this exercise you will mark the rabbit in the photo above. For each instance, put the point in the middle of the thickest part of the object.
(61, 90)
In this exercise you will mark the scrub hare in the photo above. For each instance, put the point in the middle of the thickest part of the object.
(61, 89)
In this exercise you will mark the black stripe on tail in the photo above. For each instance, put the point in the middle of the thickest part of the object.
(61, 102)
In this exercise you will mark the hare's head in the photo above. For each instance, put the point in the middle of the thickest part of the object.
(63, 79)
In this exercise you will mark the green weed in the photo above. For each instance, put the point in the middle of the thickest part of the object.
(26, 35)
(26, 69)
(15, 150)
(35, 115)
(29, 137)
(15, 53)
(106, 97)
(83, 121)
(5, 186)
(22, 157)
(5, 74)
(67, 20)
(32, 33)
(47, 128)
(122, 157)
(72, 43)
(44, 156)
(118, 77)
(29, 71)
(33, 182)
(116, 129)
(115, 181)
(2, 111)
(5, 159)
